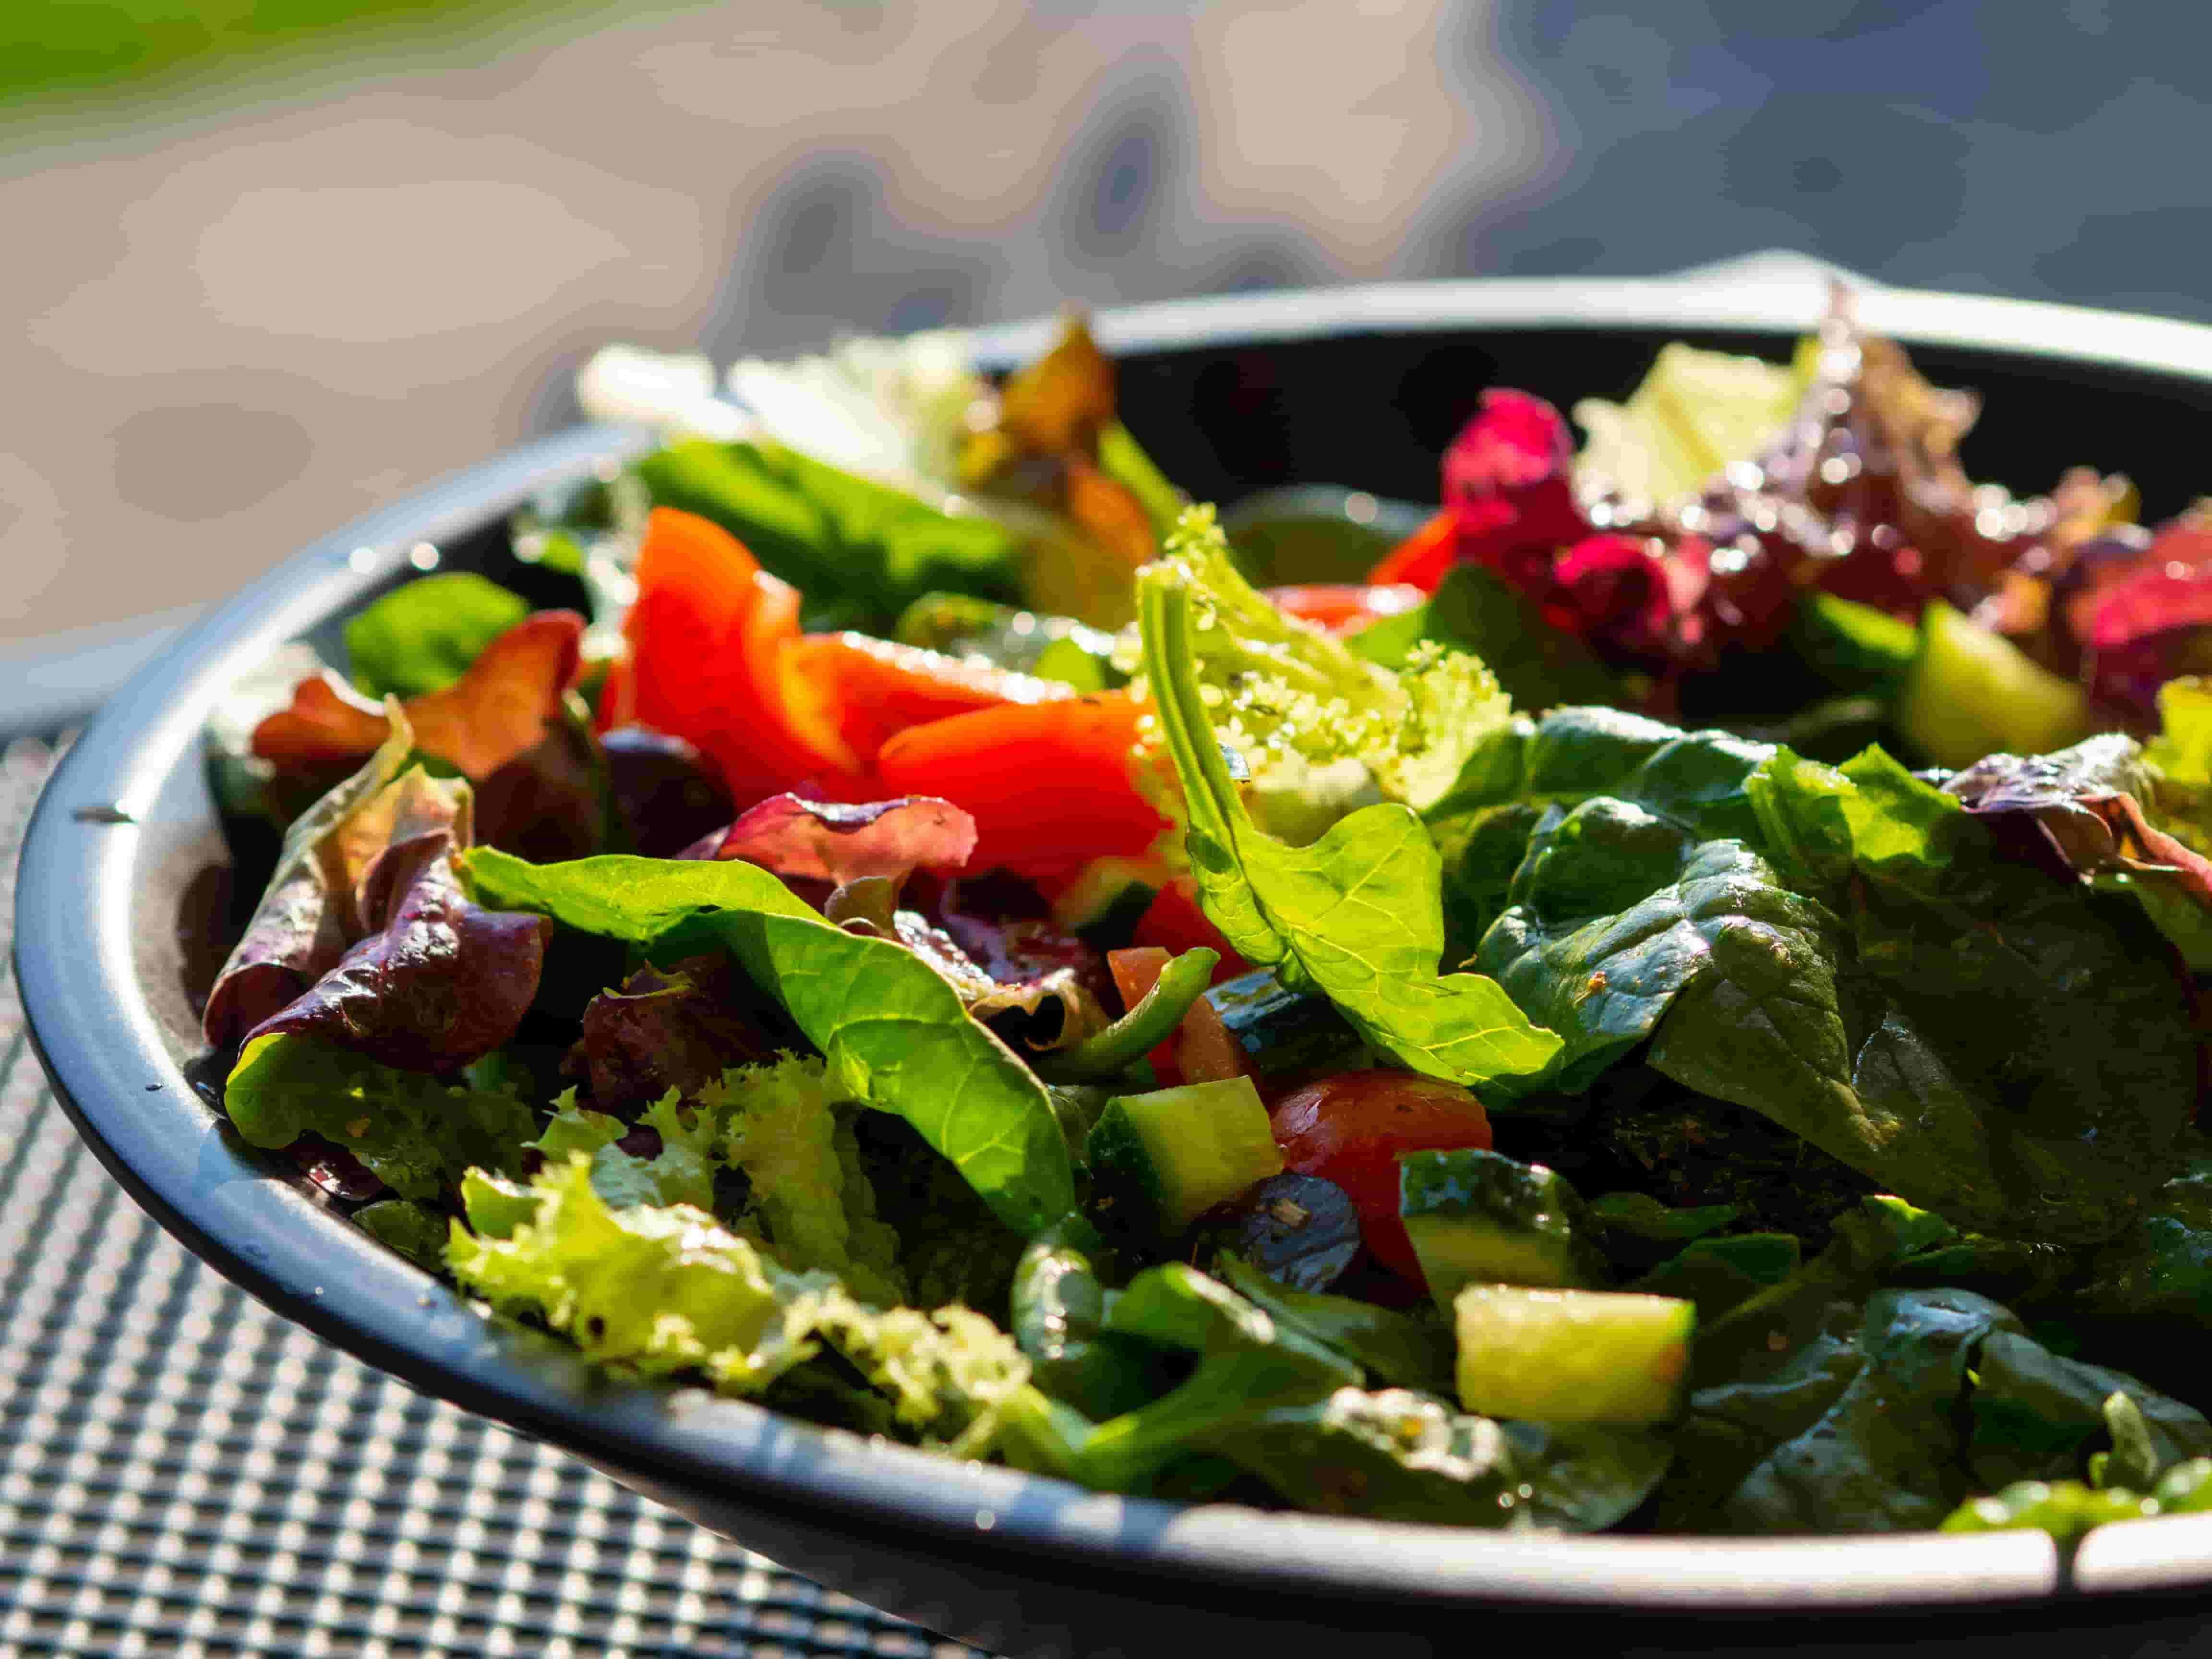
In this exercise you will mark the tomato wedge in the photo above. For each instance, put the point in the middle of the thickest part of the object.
(1423, 558)
(1350, 1129)
(879, 688)
(1048, 783)
(713, 659)
(1343, 608)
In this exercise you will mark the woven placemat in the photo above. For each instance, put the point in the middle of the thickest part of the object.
(184, 1473)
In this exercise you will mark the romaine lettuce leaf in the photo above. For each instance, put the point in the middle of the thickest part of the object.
(1357, 915)
(893, 1031)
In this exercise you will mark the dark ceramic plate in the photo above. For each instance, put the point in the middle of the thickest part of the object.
(122, 894)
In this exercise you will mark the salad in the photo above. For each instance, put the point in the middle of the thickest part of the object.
(1660, 992)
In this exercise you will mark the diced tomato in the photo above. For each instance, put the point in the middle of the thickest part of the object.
(1174, 922)
(713, 659)
(1203, 1049)
(1423, 558)
(1350, 1129)
(879, 688)
(1048, 783)
(1343, 608)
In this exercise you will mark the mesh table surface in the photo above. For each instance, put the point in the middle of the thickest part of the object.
(184, 1473)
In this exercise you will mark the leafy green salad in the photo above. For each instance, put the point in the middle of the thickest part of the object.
(1659, 992)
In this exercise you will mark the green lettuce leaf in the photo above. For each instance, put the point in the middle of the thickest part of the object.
(1296, 703)
(893, 1032)
(861, 550)
(1357, 915)
(412, 1132)
(783, 1125)
(664, 1289)
(1693, 414)
(423, 635)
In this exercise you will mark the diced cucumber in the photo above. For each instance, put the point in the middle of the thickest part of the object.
(1478, 1217)
(1972, 692)
(1566, 1356)
(1178, 1152)
(1283, 1030)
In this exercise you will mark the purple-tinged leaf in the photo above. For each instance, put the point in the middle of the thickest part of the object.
(310, 912)
(668, 795)
(675, 1028)
(439, 983)
(835, 842)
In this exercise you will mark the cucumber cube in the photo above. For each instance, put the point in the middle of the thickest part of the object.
(1181, 1151)
(1973, 692)
(1478, 1217)
(1572, 1356)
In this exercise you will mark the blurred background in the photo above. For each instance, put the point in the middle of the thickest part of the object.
(271, 262)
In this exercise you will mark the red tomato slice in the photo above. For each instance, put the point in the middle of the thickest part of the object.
(1174, 922)
(1343, 608)
(1350, 1129)
(879, 688)
(1048, 783)
(1423, 558)
(713, 641)
(1203, 1049)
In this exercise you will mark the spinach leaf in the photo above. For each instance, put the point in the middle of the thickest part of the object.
(1614, 913)
(1883, 1455)
(1474, 609)
(421, 637)
(861, 551)
(1398, 1456)
(893, 1031)
(1392, 1347)
(1988, 1042)
(1270, 1398)
(1357, 915)
(1059, 1302)
(1691, 780)
(2037, 1414)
